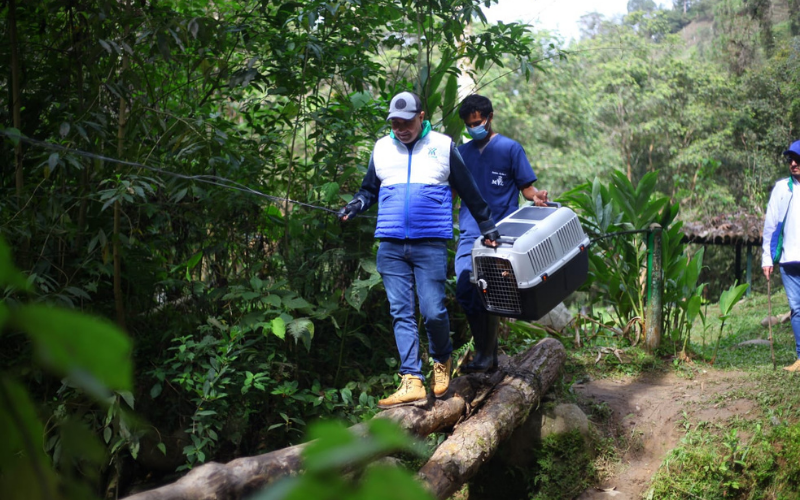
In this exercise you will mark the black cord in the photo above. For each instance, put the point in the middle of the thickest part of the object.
(213, 180)
(617, 233)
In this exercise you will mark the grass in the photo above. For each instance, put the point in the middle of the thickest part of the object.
(747, 456)
(744, 324)
(750, 456)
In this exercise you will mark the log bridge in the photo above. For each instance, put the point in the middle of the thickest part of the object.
(481, 410)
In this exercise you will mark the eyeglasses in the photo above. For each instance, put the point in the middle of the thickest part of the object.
(792, 159)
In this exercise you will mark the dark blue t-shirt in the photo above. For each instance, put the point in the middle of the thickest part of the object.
(500, 172)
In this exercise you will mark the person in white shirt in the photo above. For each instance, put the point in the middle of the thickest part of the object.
(782, 240)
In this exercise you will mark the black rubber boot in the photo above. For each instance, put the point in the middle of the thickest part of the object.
(484, 333)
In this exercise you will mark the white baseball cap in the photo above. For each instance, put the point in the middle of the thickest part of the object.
(405, 106)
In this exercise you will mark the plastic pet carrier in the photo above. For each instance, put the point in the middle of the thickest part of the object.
(542, 257)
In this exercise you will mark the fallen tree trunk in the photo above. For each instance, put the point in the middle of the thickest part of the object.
(243, 476)
(475, 441)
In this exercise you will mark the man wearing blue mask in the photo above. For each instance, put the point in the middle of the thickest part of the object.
(782, 240)
(502, 171)
(410, 176)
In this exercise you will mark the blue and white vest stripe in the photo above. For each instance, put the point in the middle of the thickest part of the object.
(415, 200)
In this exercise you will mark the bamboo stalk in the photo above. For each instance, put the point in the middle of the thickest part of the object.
(16, 97)
(119, 300)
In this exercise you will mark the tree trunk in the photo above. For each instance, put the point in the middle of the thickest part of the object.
(794, 16)
(76, 38)
(476, 440)
(119, 300)
(16, 97)
(507, 397)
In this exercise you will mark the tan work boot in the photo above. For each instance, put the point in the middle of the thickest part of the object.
(411, 392)
(794, 367)
(441, 377)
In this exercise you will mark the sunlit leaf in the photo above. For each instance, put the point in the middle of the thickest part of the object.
(279, 327)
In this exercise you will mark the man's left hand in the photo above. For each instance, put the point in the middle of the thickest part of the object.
(490, 238)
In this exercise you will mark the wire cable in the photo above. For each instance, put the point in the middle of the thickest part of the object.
(213, 180)
(617, 233)
(223, 182)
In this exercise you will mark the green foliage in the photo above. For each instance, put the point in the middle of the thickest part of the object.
(618, 263)
(789, 438)
(688, 94)
(93, 357)
(26, 472)
(745, 456)
(71, 344)
(741, 327)
(723, 465)
(727, 300)
(565, 467)
(337, 450)
(229, 373)
(202, 140)
(277, 307)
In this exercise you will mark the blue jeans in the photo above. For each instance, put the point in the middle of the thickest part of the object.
(467, 293)
(403, 264)
(791, 283)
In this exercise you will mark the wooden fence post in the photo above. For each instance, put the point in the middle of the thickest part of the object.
(654, 289)
(749, 273)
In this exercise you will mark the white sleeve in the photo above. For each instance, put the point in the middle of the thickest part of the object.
(771, 220)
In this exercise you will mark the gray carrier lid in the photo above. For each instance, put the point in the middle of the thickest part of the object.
(536, 242)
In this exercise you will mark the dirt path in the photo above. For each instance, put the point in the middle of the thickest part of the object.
(649, 410)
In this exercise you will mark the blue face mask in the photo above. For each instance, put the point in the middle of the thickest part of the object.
(478, 132)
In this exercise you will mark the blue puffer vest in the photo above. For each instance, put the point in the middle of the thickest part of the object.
(415, 200)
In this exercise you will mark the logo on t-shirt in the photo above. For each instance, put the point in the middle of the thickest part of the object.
(498, 181)
(432, 152)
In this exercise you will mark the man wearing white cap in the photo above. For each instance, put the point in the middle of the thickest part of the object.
(411, 173)
(782, 239)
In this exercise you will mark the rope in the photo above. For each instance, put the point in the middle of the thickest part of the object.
(617, 233)
(213, 180)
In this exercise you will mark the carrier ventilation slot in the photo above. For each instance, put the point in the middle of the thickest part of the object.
(501, 293)
(570, 235)
(542, 255)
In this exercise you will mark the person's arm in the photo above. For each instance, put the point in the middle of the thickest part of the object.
(462, 181)
(524, 177)
(770, 224)
(537, 196)
(366, 196)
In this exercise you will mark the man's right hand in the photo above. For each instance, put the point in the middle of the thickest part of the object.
(350, 210)
(540, 198)
(767, 271)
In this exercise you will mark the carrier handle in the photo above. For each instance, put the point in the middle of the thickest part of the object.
(506, 240)
(554, 204)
